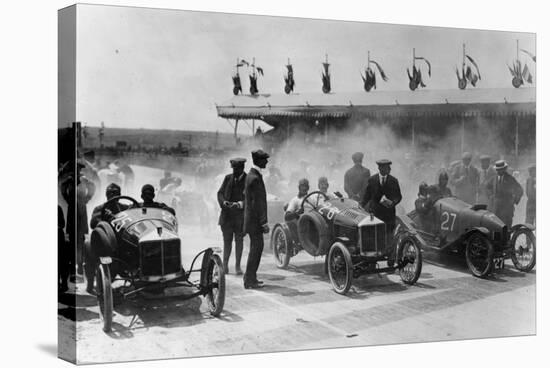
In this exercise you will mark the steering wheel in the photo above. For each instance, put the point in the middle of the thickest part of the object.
(118, 198)
(316, 205)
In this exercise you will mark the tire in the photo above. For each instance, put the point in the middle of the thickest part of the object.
(479, 255)
(409, 248)
(236, 91)
(215, 281)
(340, 268)
(516, 82)
(287, 89)
(412, 85)
(104, 292)
(462, 83)
(280, 245)
(522, 262)
(313, 234)
(103, 240)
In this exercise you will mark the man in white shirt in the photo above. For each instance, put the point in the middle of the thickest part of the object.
(294, 207)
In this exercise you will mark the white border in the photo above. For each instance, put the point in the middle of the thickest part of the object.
(29, 123)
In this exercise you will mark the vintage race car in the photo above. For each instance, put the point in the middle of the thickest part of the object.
(352, 240)
(141, 247)
(454, 225)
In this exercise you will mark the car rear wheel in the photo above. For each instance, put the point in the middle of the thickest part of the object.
(411, 255)
(340, 268)
(215, 278)
(524, 250)
(479, 255)
(280, 246)
(104, 292)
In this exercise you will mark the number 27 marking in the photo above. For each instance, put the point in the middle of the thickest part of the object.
(448, 217)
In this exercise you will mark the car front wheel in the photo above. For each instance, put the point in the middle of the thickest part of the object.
(104, 292)
(479, 255)
(411, 257)
(215, 282)
(340, 268)
(524, 250)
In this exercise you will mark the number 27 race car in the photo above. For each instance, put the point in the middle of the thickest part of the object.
(140, 249)
(456, 226)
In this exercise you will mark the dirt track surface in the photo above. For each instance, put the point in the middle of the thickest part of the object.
(298, 310)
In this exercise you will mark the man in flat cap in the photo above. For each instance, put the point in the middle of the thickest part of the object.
(486, 172)
(293, 208)
(531, 192)
(356, 178)
(382, 195)
(465, 179)
(504, 193)
(255, 217)
(148, 194)
(231, 201)
(103, 212)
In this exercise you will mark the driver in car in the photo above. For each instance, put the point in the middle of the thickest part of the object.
(148, 194)
(294, 207)
(107, 210)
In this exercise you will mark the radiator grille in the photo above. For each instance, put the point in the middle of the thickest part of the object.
(160, 258)
(373, 238)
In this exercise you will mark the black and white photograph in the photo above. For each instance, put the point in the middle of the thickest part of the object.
(233, 184)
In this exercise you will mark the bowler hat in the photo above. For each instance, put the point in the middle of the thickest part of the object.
(259, 154)
(501, 164)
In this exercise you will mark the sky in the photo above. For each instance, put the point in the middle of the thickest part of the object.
(166, 69)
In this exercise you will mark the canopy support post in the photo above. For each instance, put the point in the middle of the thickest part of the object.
(253, 127)
(517, 137)
(462, 136)
(235, 130)
(413, 138)
(326, 131)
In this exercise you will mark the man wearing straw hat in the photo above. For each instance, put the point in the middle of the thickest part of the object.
(504, 193)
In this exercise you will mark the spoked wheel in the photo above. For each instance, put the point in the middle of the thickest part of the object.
(215, 278)
(104, 292)
(340, 268)
(411, 254)
(280, 246)
(524, 250)
(479, 255)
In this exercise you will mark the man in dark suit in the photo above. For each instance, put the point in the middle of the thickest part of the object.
(504, 193)
(465, 179)
(255, 217)
(231, 201)
(355, 179)
(486, 172)
(382, 195)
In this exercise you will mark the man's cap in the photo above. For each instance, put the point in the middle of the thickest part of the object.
(323, 179)
(443, 174)
(383, 161)
(147, 188)
(259, 154)
(357, 156)
(484, 158)
(500, 165)
(423, 187)
(303, 181)
(466, 155)
(112, 188)
(238, 161)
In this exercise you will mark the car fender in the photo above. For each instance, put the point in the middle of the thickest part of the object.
(480, 229)
(516, 227)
